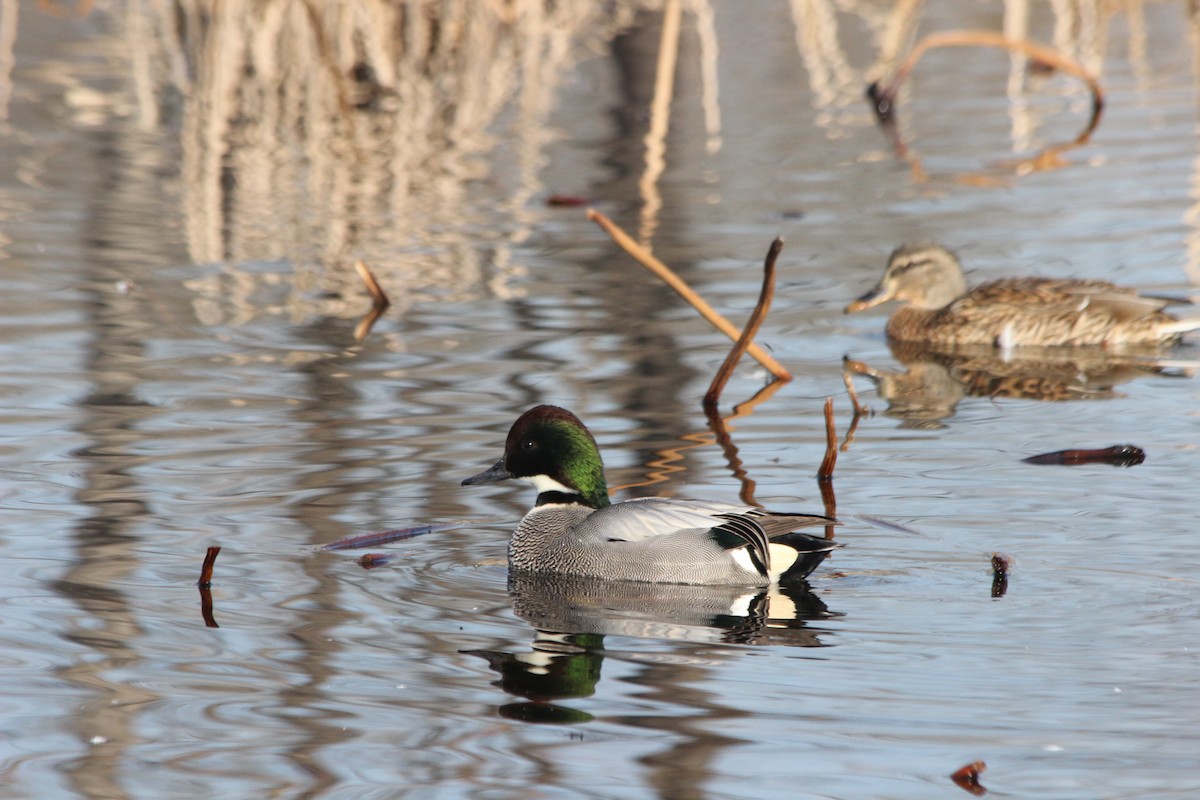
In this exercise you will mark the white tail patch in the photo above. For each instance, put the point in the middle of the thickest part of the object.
(782, 558)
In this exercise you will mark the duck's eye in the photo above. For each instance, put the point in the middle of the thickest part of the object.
(529, 444)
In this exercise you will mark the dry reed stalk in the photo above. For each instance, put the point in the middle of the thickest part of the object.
(825, 471)
(647, 260)
(379, 301)
(859, 409)
(765, 295)
(206, 571)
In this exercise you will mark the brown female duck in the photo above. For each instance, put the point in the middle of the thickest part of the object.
(1014, 312)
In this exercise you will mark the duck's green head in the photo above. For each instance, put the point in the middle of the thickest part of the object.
(550, 448)
(925, 276)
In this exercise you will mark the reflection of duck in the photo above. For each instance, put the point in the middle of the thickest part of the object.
(934, 381)
(575, 530)
(571, 615)
(1015, 312)
(557, 667)
(751, 615)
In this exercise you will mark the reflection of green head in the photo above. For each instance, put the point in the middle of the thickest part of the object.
(551, 441)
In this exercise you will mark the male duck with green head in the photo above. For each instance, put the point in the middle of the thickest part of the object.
(575, 530)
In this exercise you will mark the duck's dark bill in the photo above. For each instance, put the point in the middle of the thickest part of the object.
(496, 472)
(868, 300)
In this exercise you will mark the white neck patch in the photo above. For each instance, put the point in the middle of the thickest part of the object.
(544, 483)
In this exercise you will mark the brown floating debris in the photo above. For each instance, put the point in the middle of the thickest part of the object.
(1119, 455)
(1000, 566)
(968, 778)
(398, 534)
(373, 560)
(206, 570)
(566, 201)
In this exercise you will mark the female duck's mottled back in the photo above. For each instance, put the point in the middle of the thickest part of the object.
(1015, 312)
(575, 530)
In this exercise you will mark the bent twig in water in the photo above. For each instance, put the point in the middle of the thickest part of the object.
(643, 257)
(750, 331)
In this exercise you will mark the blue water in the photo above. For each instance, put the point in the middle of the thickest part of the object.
(180, 371)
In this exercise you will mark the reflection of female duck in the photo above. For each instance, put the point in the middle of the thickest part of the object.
(1015, 312)
(935, 381)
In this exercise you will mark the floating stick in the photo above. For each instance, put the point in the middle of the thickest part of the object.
(825, 472)
(383, 537)
(206, 571)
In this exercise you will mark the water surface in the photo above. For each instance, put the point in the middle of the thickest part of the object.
(180, 371)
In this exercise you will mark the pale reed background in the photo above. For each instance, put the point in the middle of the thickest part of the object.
(314, 133)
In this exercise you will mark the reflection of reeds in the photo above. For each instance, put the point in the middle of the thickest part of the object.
(884, 98)
(660, 115)
(1080, 30)
(324, 132)
(8, 38)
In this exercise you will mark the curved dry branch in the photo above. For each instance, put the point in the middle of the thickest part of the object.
(379, 301)
(883, 100)
(765, 295)
(647, 260)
